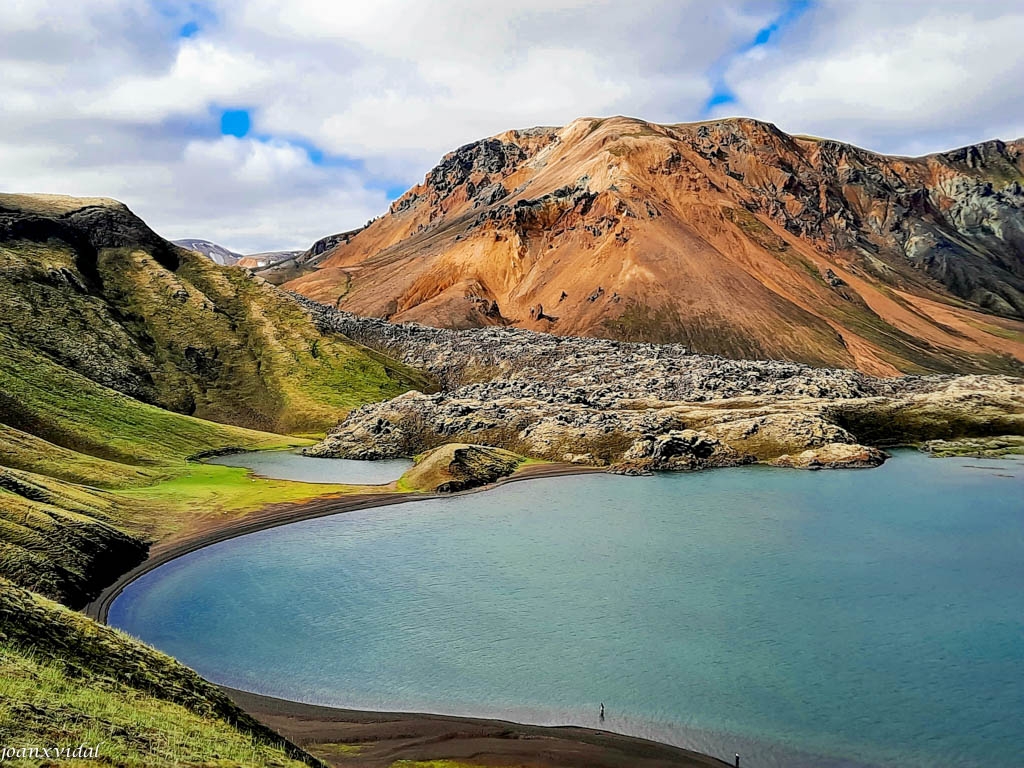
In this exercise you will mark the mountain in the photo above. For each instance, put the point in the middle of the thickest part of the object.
(265, 259)
(218, 254)
(728, 236)
(86, 285)
(305, 262)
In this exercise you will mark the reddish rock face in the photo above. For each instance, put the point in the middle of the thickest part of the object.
(728, 236)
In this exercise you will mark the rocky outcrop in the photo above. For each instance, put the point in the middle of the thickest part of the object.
(728, 236)
(833, 456)
(642, 407)
(295, 265)
(978, 447)
(459, 467)
(748, 428)
(599, 372)
(325, 244)
(685, 449)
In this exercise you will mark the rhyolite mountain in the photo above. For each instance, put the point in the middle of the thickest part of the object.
(728, 236)
(218, 254)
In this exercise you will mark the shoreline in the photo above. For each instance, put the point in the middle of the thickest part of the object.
(378, 739)
(276, 515)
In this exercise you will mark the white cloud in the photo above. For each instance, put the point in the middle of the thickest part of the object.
(467, 104)
(417, 79)
(104, 97)
(899, 78)
(202, 74)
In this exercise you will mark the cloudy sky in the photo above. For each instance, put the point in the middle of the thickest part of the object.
(266, 124)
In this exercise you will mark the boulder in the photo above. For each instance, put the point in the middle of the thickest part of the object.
(459, 467)
(833, 456)
(676, 450)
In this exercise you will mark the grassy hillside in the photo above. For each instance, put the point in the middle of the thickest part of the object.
(105, 428)
(67, 681)
(90, 287)
(66, 445)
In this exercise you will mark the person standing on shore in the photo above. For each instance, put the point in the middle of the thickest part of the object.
(602, 711)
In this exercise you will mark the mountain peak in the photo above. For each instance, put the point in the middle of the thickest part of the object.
(727, 235)
(45, 204)
(214, 251)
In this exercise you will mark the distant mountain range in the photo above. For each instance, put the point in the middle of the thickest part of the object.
(218, 254)
(729, 236)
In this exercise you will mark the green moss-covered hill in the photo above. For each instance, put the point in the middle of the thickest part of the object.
(66, 681)
(85, 283)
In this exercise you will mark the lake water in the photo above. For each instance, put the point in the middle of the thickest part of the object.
(292, 465)
(852, 618)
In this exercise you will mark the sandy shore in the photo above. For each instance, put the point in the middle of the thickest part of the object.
(345, 737)
(357, 738)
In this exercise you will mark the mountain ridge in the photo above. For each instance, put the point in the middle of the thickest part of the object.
(728, 236)
(91, 287)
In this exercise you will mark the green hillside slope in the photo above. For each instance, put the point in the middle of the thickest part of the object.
(88, 285)
(66, 681)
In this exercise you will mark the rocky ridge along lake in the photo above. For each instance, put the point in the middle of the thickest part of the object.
(850, 618)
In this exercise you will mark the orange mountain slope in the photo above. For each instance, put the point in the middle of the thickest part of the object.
(729, 236)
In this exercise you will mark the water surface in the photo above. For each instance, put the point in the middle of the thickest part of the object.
(292, 465)
(870, 617)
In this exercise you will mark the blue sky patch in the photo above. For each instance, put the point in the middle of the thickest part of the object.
(794, 10)
(721, 93)
(234, 122)
(185, 19)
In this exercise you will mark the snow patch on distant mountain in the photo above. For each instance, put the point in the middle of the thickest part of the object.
(218, 254)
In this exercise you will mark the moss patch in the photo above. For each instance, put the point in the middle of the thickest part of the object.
(218, 491)
(755, 229)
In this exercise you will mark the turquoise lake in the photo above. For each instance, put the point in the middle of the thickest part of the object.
(845, 618)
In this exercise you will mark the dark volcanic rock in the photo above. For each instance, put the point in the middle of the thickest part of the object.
(642, 407)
